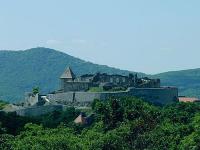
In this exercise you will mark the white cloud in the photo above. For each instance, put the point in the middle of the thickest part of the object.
(78, 41)
(53, 42)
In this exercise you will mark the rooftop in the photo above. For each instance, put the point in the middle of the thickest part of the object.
(68, 74)
(188, 99)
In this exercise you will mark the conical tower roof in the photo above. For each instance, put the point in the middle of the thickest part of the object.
(68, 74)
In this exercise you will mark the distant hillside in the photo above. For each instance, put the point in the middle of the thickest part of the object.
(188, 81)
(20, 71)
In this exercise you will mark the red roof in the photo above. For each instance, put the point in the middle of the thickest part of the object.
(188, 99)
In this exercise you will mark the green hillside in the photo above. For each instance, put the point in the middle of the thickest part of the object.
(188, 81)
(20, 71)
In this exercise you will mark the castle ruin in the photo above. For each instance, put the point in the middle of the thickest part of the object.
(81, 91)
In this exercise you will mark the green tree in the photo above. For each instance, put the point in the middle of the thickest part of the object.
(36, 90)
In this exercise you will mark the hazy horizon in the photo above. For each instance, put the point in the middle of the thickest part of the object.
(145, 36)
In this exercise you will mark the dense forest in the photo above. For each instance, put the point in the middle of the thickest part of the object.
(125, 123)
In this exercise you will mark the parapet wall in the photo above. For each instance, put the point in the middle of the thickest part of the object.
(63, 98)
(163, 95)
(156, 95)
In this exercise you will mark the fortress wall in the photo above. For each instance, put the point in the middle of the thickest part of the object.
(85, 98)
(156, 95)
(82, 97)
(39, 110)
(66, 97)
(90, 96)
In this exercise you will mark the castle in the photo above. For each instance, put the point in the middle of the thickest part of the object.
(82, 90)
(69, 82)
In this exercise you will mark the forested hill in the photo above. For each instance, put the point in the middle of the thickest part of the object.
(20, 71)
(188, 81)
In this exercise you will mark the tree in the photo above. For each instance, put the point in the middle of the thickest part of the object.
(36, 90)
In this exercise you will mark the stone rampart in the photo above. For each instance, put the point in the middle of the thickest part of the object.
(162, 95)
(57, 101)
(63, 98)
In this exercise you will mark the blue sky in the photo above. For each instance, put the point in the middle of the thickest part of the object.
(149, 36)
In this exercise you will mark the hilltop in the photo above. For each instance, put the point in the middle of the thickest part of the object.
(25, 69)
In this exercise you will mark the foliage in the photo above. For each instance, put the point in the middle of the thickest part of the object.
(36, 90)
(125, 123)
(13, 124)
(2, 104)
(96, 89)
(54, 118)
(6, 141)
(117, 89)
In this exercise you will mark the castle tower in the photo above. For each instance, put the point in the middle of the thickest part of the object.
(67, 76)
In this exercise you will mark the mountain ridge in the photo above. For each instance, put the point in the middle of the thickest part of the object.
(24, 69)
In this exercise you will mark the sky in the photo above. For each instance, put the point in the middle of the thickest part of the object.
(149, 36)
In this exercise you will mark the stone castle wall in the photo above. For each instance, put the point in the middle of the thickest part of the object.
(161, 95)
(64, 98)
(156, 95)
